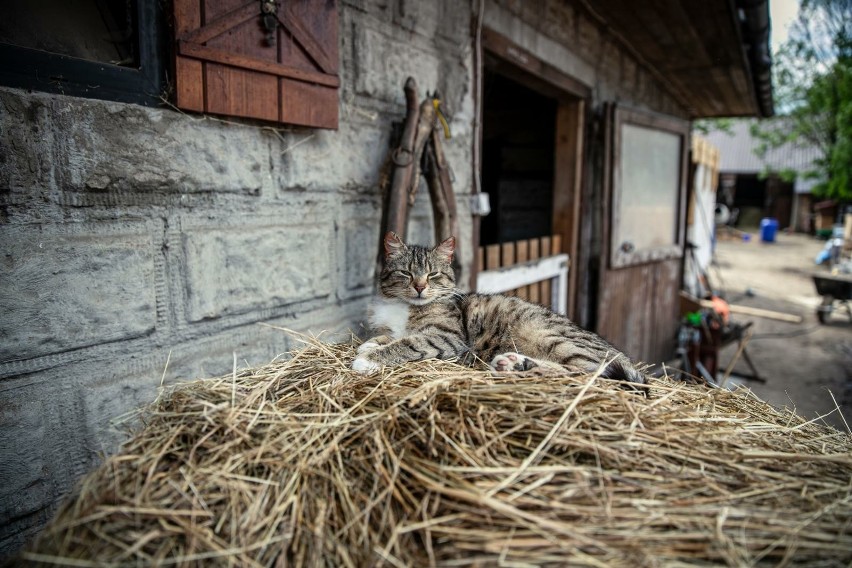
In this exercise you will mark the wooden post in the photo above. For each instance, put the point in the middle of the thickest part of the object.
(403, 160)
(425, 126)
(444, 209)
(567, 188)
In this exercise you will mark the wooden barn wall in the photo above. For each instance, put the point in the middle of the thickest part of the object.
(638, 309)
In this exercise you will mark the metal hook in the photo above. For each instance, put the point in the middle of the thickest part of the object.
(269, 18)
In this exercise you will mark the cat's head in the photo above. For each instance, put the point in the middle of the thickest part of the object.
(415, 274)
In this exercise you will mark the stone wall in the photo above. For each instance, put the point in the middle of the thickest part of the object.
(141, 246)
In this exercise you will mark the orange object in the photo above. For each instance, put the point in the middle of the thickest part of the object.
(722, 309)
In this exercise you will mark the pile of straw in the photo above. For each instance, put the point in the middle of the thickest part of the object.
(305, 462)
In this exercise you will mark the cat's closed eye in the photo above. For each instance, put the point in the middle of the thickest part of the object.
(401, 274)
(433, 275)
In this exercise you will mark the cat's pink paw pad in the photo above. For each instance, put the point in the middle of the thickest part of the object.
(364, 365)
(512, 362)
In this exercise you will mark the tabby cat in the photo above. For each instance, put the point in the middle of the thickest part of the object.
(421, 315)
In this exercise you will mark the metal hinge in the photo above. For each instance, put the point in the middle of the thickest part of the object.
(269, 17)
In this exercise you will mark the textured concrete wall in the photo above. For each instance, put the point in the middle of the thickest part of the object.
(132, 237)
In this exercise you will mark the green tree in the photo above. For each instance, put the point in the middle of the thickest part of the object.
(813, 93)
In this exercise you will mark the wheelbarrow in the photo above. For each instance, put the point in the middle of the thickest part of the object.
(833, 289)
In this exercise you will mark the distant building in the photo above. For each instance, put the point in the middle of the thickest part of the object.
(744, 186)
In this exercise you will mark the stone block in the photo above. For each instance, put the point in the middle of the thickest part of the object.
(23, 487)
(121, 147)
(588, 38)
(455, 22)
(111, 395)
(74, 286)
(27, 157)
(41, 451)
(233, 270)
(611, 62)
(558, 21)
(419, 17)
(384, 63)
(351, 157)
(629, 72)
(358, 248)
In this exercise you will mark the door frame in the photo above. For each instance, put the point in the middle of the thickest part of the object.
(507, 58)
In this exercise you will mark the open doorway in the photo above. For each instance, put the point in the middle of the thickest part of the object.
(754, 197)
(518, 138)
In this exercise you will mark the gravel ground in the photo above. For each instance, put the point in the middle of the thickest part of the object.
(808, 366)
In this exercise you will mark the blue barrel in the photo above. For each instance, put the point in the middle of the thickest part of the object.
(768, 229)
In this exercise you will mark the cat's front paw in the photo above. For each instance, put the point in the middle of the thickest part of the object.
(364, 365)
(507, 362)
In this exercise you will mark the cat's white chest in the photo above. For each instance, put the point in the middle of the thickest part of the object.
(392, 315)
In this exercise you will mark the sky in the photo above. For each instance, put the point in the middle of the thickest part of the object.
(782, 13)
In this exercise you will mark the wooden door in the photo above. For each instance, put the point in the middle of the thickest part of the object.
(643, 233)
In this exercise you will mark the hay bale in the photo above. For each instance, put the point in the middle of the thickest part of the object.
(305, 462)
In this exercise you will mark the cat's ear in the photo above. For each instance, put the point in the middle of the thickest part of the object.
(393, 244)
(446, 249)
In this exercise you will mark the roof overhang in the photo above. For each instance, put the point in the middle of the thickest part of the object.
(713, 56)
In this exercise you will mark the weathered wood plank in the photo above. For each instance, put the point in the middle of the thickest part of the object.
(522, 255)
(567, 182)
(507, 258)
(492, 257)
(544, 287)
(189, 84)
(534, 254)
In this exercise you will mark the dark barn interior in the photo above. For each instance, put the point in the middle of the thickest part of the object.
(755, 197)
(518, 159)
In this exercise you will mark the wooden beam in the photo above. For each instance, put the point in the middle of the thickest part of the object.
(548, 79)
(567, 179)
(757, 312)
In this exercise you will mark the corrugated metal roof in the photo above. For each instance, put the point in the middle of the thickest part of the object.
(737, 154)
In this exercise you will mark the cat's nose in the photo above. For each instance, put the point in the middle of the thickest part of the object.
(419, 288)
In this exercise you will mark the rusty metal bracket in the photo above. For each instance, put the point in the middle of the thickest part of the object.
(269, 19)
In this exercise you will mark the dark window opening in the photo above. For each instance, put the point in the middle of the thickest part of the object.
(94, 30)
(103, 49)
(517, 160)
(755, 197)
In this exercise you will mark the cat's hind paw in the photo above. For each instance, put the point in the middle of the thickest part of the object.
(512, 362)
(364, 365)
(367, 346)
(373, 343)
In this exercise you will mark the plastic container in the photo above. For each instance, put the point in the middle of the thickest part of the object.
(768, 229)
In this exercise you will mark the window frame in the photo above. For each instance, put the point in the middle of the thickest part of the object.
(619, 258)
(36, 70)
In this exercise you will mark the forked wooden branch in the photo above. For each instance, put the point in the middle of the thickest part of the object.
(420, 147)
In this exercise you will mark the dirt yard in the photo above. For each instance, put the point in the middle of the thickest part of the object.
(805, 363)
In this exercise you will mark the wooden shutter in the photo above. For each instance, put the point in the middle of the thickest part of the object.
(224, 64)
